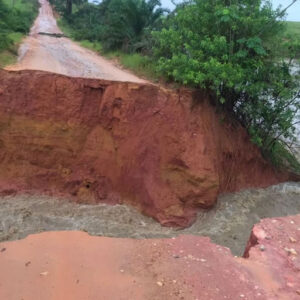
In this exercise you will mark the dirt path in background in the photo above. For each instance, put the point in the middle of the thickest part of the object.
(61, 55)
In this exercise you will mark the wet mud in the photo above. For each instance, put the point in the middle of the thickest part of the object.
(228, 224)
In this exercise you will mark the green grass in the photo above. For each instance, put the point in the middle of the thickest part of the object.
(10, 55)
(65, 28)
(16, 37)
(24, 10)
(139, 64)
(293, 28)
(95, 46)
(282, 158)
(22, 5)
(7, 58)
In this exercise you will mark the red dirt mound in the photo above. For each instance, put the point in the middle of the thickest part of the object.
(165, 152)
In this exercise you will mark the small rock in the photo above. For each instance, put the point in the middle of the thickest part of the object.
(242, 296)
(174, 281)
(28, 263)
(262, 248)
(159, 283)
(12, 230)
(44, 273)
(292, 240)
(122, 271)
(291, 251)
(202, 260)
(292, 222)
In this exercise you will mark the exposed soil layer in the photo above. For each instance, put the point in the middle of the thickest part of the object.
(167, 153)
(46, 49)
(186, 267)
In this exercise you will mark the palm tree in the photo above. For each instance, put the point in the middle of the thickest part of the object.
(127, 21)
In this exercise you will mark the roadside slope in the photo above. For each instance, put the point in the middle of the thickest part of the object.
(165, 152)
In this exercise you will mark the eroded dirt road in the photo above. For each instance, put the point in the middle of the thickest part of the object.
(228, 223)
(61, 55)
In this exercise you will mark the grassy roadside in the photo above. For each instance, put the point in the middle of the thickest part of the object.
(10, 55)
(17, 17)
(139, 64)
(293, 28)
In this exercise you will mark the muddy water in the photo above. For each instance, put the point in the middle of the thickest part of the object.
(228, 224)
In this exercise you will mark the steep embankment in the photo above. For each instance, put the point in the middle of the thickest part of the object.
(161, 151)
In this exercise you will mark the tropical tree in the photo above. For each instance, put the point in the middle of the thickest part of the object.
(127, 21)
(235, 49)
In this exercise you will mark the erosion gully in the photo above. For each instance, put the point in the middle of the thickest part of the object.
(229, 223)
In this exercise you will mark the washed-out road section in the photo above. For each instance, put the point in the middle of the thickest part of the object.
(76, 266)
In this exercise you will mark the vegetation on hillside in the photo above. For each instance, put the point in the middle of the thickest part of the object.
(242, 60)
(241, 52)
(293, 28)
(16, 17)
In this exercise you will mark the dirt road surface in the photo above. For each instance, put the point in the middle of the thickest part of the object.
(61, 55)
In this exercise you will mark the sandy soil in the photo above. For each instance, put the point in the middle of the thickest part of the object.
(61, 55)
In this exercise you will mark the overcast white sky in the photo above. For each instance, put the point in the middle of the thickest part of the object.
(293, 12)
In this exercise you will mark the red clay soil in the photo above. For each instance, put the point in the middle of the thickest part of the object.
(165, 152)
(76, 266)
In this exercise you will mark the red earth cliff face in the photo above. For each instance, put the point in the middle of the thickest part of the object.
(164, 152)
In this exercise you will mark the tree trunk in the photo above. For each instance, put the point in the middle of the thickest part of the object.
(69, 7)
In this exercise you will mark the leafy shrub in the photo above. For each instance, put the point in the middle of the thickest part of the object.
(16, 19)
(117, 24)
(237, 52)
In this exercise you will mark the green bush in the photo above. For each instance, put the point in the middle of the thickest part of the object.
(240, 51)
(237, 51)
(118, 24)
(15, 21)
(5, 41)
